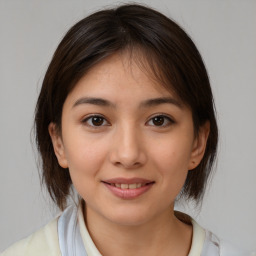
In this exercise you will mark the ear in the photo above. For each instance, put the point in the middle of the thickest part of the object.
(199, 146)
(58, 145)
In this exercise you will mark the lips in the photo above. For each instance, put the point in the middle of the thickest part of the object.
(128, 188)
(128, 181)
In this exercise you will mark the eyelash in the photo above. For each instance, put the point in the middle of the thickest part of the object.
(167, 119)
(87, 119)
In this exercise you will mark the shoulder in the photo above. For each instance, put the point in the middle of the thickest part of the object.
(227, 249)
(216, 246)
(205, 243)
(42, 242)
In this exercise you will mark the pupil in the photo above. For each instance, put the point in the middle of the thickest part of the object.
(159, 120)
(97, 121)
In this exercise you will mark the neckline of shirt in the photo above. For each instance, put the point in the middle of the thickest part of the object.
(198, 237)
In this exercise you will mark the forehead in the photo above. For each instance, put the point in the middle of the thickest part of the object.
(122, 73)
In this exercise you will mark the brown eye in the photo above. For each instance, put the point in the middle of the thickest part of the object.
(160, 121)
(95, 121)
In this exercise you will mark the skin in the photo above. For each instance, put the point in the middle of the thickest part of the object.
(128, 143)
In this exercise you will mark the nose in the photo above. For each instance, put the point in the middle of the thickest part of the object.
(127, 148)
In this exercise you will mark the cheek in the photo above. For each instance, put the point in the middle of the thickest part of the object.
(174, 153)
(85, 161)
(85, 158)
(171, 159)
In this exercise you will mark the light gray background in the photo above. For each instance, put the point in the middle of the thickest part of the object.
(225, 34)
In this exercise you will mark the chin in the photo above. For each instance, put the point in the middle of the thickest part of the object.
(130, 217)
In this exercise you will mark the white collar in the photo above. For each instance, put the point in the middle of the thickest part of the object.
(195, 250)
(87, 240)
(74, 238)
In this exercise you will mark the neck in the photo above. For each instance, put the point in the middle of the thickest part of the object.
(165, 234)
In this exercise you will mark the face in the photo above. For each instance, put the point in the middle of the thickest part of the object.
(127, 141)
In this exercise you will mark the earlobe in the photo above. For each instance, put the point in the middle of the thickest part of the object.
(199, 146)
(57, 145)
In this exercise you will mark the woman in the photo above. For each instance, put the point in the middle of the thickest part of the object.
(125, 117)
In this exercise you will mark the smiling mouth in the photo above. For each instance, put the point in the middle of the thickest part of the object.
(128, 186)
(128, 189)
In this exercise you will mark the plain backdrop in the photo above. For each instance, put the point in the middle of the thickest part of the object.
(225, 34)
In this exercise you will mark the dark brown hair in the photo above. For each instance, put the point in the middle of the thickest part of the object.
(168, 52)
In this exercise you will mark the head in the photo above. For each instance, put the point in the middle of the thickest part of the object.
(160, 47)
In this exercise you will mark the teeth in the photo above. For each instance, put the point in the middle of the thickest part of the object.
(124, 186)
(132, 186)
(128, 186)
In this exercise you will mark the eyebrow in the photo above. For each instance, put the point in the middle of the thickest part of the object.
(159, 101)
(94, 101)
(144, 104)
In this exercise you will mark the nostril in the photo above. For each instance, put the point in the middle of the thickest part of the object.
(128, 165)
(127, 158)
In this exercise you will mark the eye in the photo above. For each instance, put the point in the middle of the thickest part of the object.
(160, 121)
(95, 121)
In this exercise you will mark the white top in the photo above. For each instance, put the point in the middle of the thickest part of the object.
(204, 243)
(67, 235)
